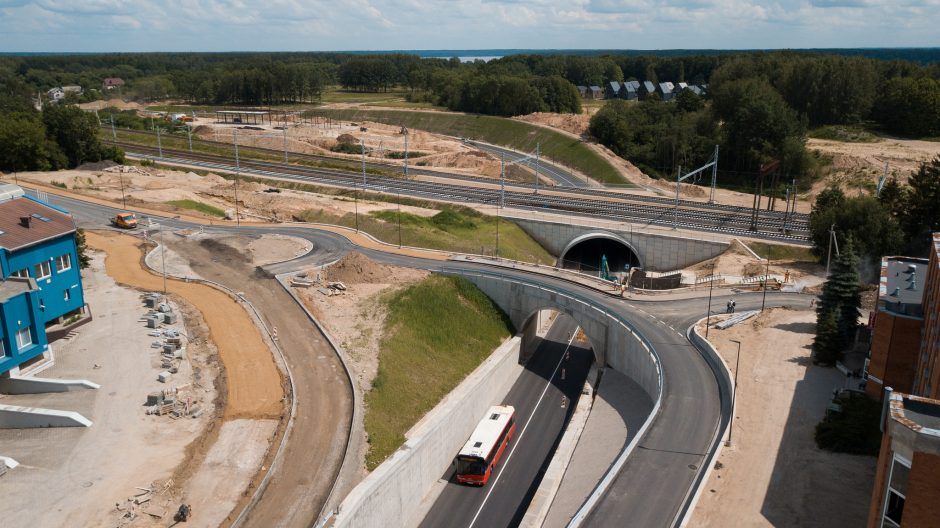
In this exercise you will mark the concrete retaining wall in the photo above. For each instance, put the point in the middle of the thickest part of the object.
(391, 495)
(656, 251)
(29, 385)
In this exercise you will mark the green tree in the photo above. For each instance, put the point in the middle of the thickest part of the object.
(81, 247)
(687, 101)
(24, 146)
(895, 197)
(923, 206)
(75, 131)
(864, 219)
(837, 310)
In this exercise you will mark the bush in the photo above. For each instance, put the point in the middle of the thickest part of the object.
(347, 148)
(854, 430)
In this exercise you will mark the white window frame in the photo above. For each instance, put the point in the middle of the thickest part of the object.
(889, 490)
(3, 350)
(44, 267)
(23, 273)
(20, 344)
(66, 295)
(67, 258)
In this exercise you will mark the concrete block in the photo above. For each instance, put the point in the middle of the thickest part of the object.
(15, 417)
(30, 385)
(163, 376)
(7, 463)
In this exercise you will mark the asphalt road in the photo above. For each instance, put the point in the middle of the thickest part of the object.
(554, 172)
(652, 488)
(540, 422)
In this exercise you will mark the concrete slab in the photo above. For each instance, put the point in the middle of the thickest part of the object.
(7, 463)
(31, 385)
(620, 408)
(16, 417)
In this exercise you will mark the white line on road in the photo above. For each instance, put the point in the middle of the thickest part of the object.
(526, 426)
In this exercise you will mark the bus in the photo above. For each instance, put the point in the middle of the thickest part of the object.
(482, 452)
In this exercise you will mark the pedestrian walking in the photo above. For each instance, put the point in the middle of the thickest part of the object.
(732, 305)
(728, 307)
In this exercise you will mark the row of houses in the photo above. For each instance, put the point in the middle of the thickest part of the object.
(59, 92)
(634, 90)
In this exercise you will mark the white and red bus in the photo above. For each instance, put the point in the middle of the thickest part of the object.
(480, 455)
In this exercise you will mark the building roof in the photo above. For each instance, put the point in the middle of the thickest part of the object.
(634, 84)
(650, 87)
(695, 89)
(8, 191)
(14, 286)
(682, 85)
(901, 286)
(666, 87)
(44, 222)
(921, 415)
(615, 86)
(935, 247)
(582, 87)
(113, 81)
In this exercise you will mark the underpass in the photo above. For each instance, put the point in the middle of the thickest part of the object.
(544, 396)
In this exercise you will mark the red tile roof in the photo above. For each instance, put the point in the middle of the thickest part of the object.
(44, 223)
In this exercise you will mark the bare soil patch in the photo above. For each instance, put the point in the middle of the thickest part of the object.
(773, 474)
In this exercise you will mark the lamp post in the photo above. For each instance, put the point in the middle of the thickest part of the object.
(237, 170)
(711, 286)
(734, 394)
(763, 301)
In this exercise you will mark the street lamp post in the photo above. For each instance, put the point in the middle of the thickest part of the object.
(237, 170)
(711, 286)
(734, 394)
(763, 301)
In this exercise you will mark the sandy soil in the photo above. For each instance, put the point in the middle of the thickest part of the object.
(157, 187)
(356, 319)
(573, 124)
(253, 384)
(773, 474)
(866, 161)
(112, 103)
(737, 261)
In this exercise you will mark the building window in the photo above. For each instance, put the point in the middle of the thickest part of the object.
(23, 338)
(42, 270)
(66, 296)
(63, 263)
(897, 491)
(3, 350)
(22, 273)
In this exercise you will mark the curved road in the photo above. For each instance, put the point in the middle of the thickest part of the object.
(652, 488)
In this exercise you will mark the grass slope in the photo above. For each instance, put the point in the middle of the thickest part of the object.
(496, 130)
(437, 332)
(193, 205)
(453, 229)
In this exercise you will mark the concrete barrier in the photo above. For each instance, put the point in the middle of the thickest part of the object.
(15, 417)
(30, 385)
(392, 494)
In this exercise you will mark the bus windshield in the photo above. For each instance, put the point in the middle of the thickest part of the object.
(470, 466)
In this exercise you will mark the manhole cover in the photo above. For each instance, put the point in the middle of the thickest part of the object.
(693, 466)
(87, 484)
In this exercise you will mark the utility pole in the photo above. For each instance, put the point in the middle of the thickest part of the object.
(832, 240)
(237, 171)
(537, 152)
(123, 200)
(502, 181)
(406, 152)
(362, 147)
(399, 218)
(763, 301)
(734, 395)
(711, 197)
(189, 132)
(285, 142)
(113, 133)
(159, 144)
(711, 286)
(675, 216)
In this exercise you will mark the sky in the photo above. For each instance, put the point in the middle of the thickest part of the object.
(315, 25)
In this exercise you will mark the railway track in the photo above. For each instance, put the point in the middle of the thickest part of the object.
(800, 221)
(616, 207)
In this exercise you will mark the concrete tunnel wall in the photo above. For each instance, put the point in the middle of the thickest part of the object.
(656, 252)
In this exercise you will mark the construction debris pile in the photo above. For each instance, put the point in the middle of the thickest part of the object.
(153, 501)
(126, 169)
(178, 401)
(328, 288)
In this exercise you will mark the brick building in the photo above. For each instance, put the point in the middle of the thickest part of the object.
(927, 370)
(906, 493)
(899, 318)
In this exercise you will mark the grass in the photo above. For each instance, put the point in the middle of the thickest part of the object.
(453, 229)
(783, 252)
(846, 133)
(437, 331)
(193, 205)
(337, 95)
(521, 136)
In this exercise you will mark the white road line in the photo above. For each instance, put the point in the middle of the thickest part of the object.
(504, 463)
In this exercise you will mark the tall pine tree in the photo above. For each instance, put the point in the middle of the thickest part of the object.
(837, 311)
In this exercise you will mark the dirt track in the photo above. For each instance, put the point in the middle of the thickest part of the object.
(253, 384)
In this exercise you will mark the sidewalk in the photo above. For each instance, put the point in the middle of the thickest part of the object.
(620, 407)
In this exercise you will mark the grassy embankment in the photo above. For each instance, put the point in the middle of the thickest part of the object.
(844, 133)
(201, 207)
(496, 130)
(437, 332)
(455, 228)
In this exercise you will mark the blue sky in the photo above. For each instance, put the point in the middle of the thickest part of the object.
(301, 25)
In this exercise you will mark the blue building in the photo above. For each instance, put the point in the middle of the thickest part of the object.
(22, 335)
(37, 241)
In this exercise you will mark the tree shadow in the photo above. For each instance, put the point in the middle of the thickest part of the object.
(797, 328)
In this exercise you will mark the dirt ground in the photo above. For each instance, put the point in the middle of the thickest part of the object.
(737, 261)
(865, 162)
(157, 187)
(83, 473)
(253, 384)
(111, 103)
(773, 474)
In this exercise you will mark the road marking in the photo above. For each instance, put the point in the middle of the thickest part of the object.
(526, 426)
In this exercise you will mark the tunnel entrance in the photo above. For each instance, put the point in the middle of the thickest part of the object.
(551, 325)
(586, 254)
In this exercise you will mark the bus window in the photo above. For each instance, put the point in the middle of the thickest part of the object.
(470, 466)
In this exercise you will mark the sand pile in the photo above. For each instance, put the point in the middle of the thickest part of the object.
(356, 268)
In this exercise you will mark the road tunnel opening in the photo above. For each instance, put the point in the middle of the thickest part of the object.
(599, 254)
(548, 329)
